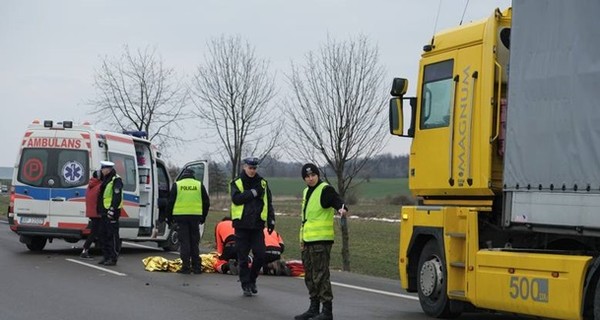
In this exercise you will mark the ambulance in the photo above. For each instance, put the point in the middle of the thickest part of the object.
(52, 171)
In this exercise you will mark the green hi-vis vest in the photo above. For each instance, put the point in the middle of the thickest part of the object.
(236, 210)
(108, 194)
(189, 197)
(317, 221)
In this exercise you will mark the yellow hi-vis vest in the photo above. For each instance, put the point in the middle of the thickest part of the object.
(108, 193)
(189, 197)
(317, 221)
(237, 210)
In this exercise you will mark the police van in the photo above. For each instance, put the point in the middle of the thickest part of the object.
(52, 171)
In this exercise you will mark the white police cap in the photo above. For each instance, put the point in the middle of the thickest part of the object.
(106, 164)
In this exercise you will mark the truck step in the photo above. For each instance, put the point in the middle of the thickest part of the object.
(456, 293)
(457, 264)
(456, 235)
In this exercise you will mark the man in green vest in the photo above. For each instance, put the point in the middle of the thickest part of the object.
(188, 207)
(319, 204)
(251, 207)
(110, 203)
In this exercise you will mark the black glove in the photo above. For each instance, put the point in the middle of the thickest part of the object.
(257, 192)
(270, 226)
(202, 219)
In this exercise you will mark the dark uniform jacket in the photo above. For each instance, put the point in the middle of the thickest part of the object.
(117, 195)
(253, 206)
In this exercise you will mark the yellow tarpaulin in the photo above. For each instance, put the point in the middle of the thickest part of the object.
(157, 263)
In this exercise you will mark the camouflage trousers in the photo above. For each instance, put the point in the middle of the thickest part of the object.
(315, 258)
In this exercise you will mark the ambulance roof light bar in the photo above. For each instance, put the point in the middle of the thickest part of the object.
(135, 133)
(64, 124)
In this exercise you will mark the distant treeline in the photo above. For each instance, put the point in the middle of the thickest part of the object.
(382, 166)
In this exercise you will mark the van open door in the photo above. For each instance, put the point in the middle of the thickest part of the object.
(200, 168)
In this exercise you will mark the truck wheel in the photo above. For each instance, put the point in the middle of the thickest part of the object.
(172, 242)
(432, 282)
(597, 301)
(36, 244)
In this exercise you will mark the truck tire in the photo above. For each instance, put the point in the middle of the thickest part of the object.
(596, 306)
(432, 282)
(36, 243)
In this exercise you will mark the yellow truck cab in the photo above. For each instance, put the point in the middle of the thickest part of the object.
(504, 162)
(52, 171)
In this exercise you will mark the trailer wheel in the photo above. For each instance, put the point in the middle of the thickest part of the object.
(432, 282)
(36, 244)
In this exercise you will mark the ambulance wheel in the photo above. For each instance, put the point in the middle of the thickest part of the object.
(432, 282)
(172, 242)
(36, 244)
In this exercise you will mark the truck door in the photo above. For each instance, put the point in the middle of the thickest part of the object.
(449, 155)
(430, 150)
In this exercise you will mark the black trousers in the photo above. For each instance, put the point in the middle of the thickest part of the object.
(109, 238)
(189, 240)
(229, 251)
(95, 226)
(246, 240)
(272, 254)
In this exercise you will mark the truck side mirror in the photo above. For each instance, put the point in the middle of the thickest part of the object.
(396, 117)
(399, 87)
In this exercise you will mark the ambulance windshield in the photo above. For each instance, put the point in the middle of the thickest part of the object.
(54, 168)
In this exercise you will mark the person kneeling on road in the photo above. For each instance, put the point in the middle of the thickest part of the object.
(226, 247)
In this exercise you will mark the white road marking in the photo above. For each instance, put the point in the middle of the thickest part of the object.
(149, 247)
(96, 267)
(386, 293)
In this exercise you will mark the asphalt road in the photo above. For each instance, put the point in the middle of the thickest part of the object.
(56, 284)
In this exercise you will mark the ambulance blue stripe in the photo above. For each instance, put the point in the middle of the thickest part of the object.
(39, 193)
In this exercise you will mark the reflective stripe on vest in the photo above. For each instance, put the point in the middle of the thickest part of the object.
(237, 210)
(318, 224)
(108, 193)
(189, 197)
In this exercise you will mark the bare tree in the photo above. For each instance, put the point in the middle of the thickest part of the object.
(336, 114)
(140, 93)
(232, 91)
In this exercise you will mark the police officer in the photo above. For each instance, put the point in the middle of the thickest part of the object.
(188, 208)
(110, 202)
(319, 204)
(251, 207)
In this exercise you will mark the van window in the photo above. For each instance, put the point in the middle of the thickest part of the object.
(125, 167)
(53, 168)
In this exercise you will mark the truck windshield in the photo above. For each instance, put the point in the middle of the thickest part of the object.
(53, 168)
(437, 95)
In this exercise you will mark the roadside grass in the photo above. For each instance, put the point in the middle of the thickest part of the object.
(4, 199)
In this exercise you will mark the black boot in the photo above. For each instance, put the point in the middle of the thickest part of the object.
(326, 313)
(312, 311)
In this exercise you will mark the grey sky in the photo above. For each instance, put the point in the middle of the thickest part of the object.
(49, 50)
